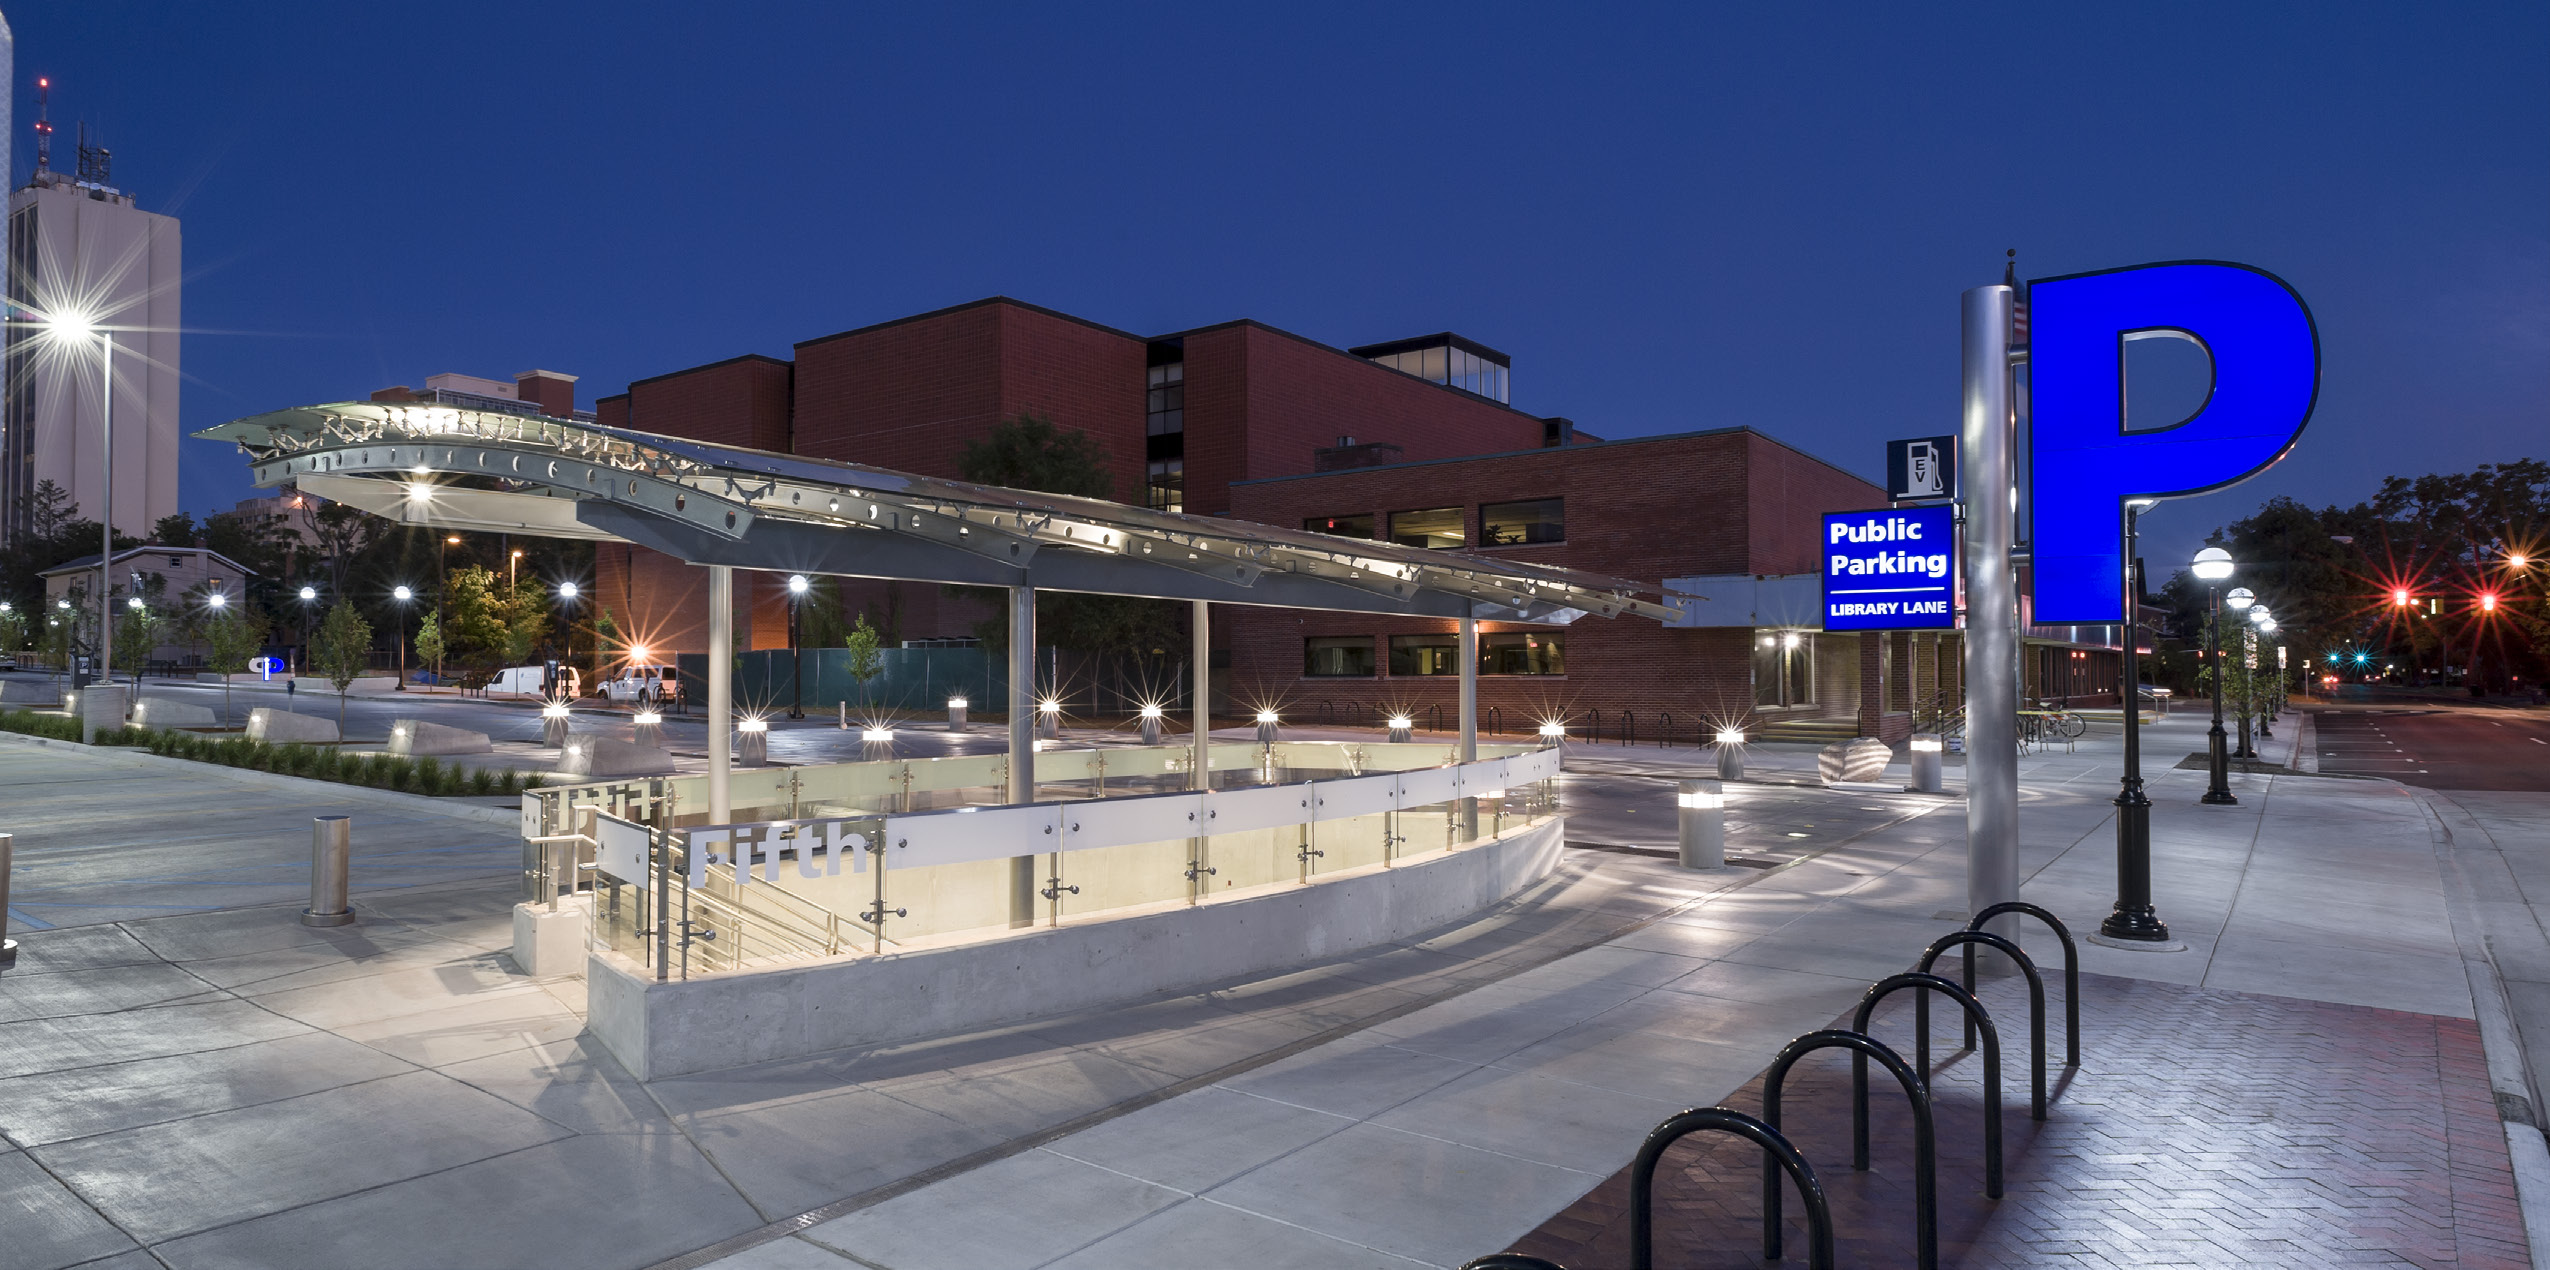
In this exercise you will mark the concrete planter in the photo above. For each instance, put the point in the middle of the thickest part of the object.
(413, 737)
(602, 757)
(265, 723)
(758, 1016)
(155, 712)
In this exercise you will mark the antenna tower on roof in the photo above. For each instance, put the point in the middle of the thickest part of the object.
(43, 123)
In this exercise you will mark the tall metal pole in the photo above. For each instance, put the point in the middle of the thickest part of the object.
(106, 525)
(796, 664)
(1022, 742)
(721, 694)
(1469, 718)
(2134, 917)
(2248, 671)
(1201, 705)
(2217, 747)
(1992, 632)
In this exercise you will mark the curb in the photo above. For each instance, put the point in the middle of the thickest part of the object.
(384, 798)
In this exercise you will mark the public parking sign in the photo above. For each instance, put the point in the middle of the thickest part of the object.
(1894, 569)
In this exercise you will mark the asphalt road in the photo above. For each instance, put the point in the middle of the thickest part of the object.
(2439, 746)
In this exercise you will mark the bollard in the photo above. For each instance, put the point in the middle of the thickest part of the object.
(1925, 762)
(649, 729)
(956, 714)
(841, 715)
(1266, 728)
(1401, 729)
(553, 724)
(752, 742)
(1049, 721)
(1702, 809)
(331, 854)
(8, 946)
(1151, 725)
(1730, 755)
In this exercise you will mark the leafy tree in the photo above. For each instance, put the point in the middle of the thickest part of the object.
(13, 629)
(429, 642)
(176, 529)
(137, 632)
(233, 637)
(489, 625)
(342, 651)
(866, 659)
(61, 640)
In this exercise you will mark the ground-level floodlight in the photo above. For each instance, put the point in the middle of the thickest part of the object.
(1151, 724)
(1701, 807)
(1730, 754)
(752, 741)
(1265, 727)
(1402, 728)
(1926, 750)
(1049, 719)
(956, 714)
(331, 855)
(553, 723)
(650, 728)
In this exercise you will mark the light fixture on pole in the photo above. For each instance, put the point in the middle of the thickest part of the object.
(2211, 566)
(797, 587)
(2259, 625)
(309, 595)
(402, 595)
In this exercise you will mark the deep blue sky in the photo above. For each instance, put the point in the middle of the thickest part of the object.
(1673, 218)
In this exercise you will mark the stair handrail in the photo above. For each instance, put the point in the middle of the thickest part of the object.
(2071, 969)
(1925, 1142)
(2036, 998)
(1973, 1010)
(1642, 1180)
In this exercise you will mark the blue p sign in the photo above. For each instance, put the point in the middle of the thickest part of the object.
(2266, 364)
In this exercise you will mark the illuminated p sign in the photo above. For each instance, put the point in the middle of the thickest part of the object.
(2266, 375)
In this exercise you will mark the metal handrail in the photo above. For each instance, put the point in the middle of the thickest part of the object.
(1642, 1180)
(2071, 969)
(1974, 1010)
(1925, 1143)
(2036, 997)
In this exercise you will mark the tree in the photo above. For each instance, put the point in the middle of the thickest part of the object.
(137, 632)
(429, 642)
(61, 640)
(176, 529)
(13, 630)
(343, 650)
(866, 661)
(488, 625)
(233, 637)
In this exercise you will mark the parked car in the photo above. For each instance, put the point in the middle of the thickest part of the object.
(644, 684)
(534, 680)
(8, 662)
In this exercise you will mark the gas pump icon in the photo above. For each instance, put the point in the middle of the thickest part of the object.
(1925, 470)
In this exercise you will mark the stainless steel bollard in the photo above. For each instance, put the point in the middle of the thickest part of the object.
(1702, 810)
(8, 946)
(331, 855)
(1926, 749)
(553, 725)
(752, 742)
(1150, 725)
(956, 707)
(1730, 758)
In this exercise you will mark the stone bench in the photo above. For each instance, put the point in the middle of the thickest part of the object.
(415, 737)
(159, 712)
(1857, 761)
(265, 723)
(599, 757)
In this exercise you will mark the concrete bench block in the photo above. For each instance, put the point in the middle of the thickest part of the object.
(32, 692)
(1858, 760)
(586, 754)
(105, 703)
(265, 723)
(414, 737)
(549, 944)
(159, 712)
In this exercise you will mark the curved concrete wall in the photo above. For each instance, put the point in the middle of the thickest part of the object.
(701, 1025)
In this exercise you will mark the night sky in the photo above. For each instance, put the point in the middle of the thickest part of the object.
(1672, 218)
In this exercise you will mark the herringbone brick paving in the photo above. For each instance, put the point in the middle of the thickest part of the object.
(2205, 1128)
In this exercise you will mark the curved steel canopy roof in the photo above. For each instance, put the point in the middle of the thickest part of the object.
(724, 505)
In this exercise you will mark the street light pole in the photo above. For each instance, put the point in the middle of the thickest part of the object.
(2213, 564)
(2135, 916)
(2259, 624)
(2240, 599)
(796, 659)
(402, 595)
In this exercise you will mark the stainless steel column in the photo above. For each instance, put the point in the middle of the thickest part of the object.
(8, 946)
(1202, 705)
(1700, 808)
(1992, 620)
(721, 694)
(1469, 718)
(1022, 742)
(331, 856)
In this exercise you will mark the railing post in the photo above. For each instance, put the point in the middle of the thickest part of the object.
(8, 855)
(331, 855)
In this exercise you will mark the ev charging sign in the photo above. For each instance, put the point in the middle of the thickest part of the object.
(2266, 378)
(1893, 569)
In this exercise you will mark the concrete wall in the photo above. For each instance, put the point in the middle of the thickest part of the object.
(730, 1020)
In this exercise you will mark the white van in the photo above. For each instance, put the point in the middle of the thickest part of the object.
(527, 680)
(648, 685)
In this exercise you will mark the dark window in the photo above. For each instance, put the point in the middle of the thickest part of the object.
(1522, 653)
(1438, 527)
(1333, 656)
(1164, 423)
(1517, 524)
(1432, 654)
(1167, 485)
(1342, 526)
(1166, 412)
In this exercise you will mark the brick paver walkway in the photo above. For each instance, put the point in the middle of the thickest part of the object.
(2205, 1128)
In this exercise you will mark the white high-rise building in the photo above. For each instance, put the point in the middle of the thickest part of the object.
(79, 245)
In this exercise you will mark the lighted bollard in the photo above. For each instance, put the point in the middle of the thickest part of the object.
(1266, 727)
(1048, 720)
(1402, 729)
(1925, 762)
(1702, 809)
(8, 946)
(752, 741)
(1151, 725)
(956, 707)
(553, 723)
(331, 857)
(1730, 754)
(650, 729)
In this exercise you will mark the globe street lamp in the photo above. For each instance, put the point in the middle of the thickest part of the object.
(2135, 917)
(797, 585)
(402, 595)
(2211, 566)
(2259, 624)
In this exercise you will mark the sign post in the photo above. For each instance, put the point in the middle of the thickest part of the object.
(1992, 611)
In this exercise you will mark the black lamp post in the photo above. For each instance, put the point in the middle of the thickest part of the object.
(2260, 626)
(402, 595)
(309, 594)
(2135, 917)
(2212, 565)
(796, 660)
(2239, 601)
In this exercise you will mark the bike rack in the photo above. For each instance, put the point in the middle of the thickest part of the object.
(1642, 1180)
(2071, 970)
(2036, 998)
(1925, 1143)
(1974, 1011)
(1510, 1261)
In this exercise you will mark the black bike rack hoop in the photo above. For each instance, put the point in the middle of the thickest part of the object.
(1925, 1143)
(2071, 969)
(1642, 1180)
(1510, 1261)
(1976, 1014)
(2036, 998)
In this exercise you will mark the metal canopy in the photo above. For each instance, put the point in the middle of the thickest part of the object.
(724, 505)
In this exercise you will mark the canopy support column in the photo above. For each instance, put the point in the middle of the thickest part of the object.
(1022, 742)
(1469, 653)
(721, 693)
(1202, 701)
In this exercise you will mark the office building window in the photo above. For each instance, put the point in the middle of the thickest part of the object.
(1447, 359)
(1438, 527)
(1522, 653)
(1337, 656)
(1438, 653)
(1164, 442)
(1166, 413)
(1342, 526)
(1523, 523)
(1166, 485)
